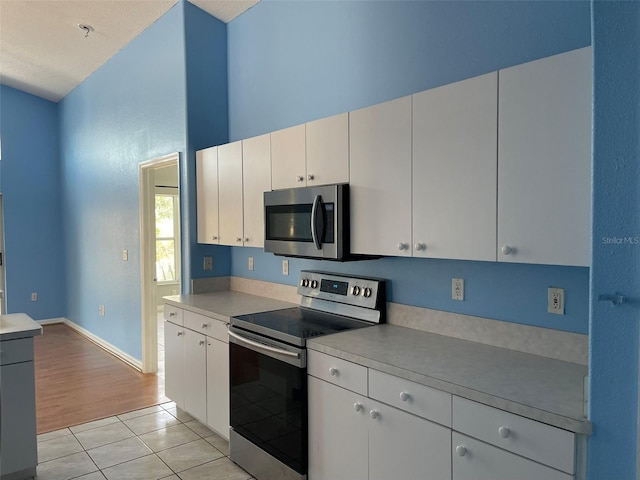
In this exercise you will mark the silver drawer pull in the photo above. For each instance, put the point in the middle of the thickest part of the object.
(205, 325)
(504, 432)
(461, 451)
(404, 396)
(172, 314)
(333, 372)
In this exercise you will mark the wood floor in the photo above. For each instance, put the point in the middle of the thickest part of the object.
(77, 381)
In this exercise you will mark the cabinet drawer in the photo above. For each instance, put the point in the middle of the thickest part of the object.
(476, 460)
(173, 314)
(412, 397)
(337, 371)
(206, 325)
(16, 351)
(540, 442)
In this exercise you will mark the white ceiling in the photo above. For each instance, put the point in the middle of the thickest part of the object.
(45, 53)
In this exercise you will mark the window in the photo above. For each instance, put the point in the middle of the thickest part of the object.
(167, 239)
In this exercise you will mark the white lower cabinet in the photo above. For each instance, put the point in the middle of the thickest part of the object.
(476, 460)
(195, 375)
(197, 367)
(338, 433)
(404, 446)
(354, 437)
(218, 386)
(368, 425)
(174, 362)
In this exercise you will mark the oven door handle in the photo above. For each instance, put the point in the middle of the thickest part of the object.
(315, 210)
(262, 346)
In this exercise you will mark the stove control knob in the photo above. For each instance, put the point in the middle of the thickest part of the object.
(367, 292)
(304, 282)
(355, 290)
(314, 283)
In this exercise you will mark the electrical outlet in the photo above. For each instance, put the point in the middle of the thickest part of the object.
(101, 310)
(457, 289)
(250, 263)
(555, 300)
(285, 267)
(34, 297)
(125, 255)
(207, 263)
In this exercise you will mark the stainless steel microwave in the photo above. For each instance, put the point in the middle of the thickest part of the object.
(310, 222)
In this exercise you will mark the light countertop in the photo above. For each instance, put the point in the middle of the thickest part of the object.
(18, 325)
(543, 389)
(226, 304)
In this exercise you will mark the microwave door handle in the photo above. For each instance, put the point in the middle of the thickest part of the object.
(316, 210)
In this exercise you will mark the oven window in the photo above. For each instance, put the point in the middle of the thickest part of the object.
(269, 404)
(293, 222)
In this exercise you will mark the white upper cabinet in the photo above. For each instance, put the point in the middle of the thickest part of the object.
(328, 150)
(256, 178)
(230, 193)
(544, 161)
(288, 158)
(455, 170)
(207, 195)
(380, 178)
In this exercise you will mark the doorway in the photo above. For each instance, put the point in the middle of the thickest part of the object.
(160, 247)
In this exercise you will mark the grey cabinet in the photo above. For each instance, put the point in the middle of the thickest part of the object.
(18, 440)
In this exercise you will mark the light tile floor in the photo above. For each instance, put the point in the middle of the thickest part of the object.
(160, 442)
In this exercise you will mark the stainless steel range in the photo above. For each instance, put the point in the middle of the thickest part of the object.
(268, 369)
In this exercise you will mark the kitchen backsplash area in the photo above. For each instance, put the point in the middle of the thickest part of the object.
(557, 344)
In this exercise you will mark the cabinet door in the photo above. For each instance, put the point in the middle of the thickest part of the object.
(380, 178)
(174, 363)
(338, 447)
(230, 193)
(455, 170)
(407, 447)
(207, 195)
(256, 179)
(17, 418)
(544, 161)
(328, 150)
(218, 386)
(288, 158)
(195, 375)
(475, 460)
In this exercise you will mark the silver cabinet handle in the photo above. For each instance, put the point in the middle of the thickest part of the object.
(310, 177)
(205, 325)
(504, 432)
(357, 407)
(172, 314)
(507, 250)
(300, 178)
(404, 396)
(214, 237)
(402, 246)
(333, 372)
(201, 342)
(461, 451)
(420, 246)
(238, 239)
(374, 414)
(180, 334)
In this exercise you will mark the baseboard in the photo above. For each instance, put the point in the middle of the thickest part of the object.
(52, 321)
(112, 349)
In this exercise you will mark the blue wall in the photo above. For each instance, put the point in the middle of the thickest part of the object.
(131, 110)
(295, 61)
(34, 237)
(291, 62)
(207, 111)
(616, 212)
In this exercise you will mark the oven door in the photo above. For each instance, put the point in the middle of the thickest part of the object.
(306, 222)
(268, 388)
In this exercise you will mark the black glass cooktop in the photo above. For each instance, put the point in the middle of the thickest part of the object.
(295, 325)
